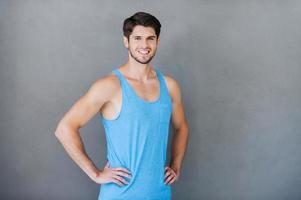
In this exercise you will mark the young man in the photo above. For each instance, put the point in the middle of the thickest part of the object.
(136, 102)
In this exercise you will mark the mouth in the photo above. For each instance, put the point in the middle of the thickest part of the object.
(143, 52)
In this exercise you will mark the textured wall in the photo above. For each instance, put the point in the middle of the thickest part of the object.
(238, 64)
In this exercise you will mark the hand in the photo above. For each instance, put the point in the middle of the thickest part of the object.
(171, 175)
(114, 175)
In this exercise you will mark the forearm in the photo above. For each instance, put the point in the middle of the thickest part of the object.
(179, 144)
(74, 146)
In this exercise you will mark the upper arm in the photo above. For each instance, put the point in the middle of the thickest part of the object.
(178, 113)
(90, 103)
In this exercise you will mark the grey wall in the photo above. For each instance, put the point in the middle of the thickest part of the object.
(238, 64)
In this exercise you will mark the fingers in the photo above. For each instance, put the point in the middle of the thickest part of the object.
(170, 175)
(123, 174)
(117, 182)
(167, 171)
(118, 172)
(122, 169)
(170, 180)
(120, 180)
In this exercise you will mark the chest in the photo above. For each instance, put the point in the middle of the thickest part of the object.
(146, 91)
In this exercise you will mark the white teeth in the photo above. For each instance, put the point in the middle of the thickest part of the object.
(143, 52)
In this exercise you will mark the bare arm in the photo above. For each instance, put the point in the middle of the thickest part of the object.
(180, 126)
(80, 113)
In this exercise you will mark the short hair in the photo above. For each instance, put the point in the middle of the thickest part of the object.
(143, 19)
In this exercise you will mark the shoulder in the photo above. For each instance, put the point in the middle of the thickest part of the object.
(105, 87)
(173, 87)
(171, 82)
(107, 82)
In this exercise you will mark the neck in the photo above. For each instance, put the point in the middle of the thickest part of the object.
(138, 71)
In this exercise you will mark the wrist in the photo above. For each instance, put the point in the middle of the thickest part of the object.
(95, 175)
(174, 164)
(176, 168)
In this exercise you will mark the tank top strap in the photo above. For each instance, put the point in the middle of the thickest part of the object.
(163, 86)
(123, 84)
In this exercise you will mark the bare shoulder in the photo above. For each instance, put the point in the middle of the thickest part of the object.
(104, 88)
(107, 82)
(173, 87)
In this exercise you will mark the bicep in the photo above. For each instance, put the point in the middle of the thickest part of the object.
(88, 105)
(178, 113)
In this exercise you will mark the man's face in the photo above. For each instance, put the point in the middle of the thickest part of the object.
(142, 44)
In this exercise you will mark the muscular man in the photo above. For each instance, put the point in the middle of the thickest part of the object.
(136, 102)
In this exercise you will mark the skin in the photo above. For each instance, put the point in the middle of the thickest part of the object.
(105, 96)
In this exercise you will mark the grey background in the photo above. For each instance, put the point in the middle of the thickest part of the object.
(238, 64)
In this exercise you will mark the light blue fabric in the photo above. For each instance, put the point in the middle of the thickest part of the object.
(137, 140)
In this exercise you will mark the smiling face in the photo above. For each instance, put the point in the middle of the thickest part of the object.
(142, 44)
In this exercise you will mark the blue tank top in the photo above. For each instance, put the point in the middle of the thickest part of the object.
(137, 140)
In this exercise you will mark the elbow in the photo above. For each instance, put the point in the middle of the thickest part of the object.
(182, 129)
(185, 128)
(61, 131)
(58, 133)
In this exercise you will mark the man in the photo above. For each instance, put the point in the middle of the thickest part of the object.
(136, 102)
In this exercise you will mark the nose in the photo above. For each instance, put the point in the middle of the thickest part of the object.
(144, 43)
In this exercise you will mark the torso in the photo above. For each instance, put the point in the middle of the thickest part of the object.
(137, 134)
(148, 91)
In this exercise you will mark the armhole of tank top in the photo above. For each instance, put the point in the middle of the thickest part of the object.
(122, 99)
(164, 85)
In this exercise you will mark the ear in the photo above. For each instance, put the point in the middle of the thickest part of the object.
(158, 40)
(125, 42)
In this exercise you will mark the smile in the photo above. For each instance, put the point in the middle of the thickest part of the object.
(144, 52)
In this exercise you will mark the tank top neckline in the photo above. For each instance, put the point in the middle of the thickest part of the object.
(136, 94)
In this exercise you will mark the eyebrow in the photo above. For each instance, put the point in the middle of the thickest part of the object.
(152, 36)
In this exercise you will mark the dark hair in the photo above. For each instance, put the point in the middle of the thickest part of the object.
(143, 19)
